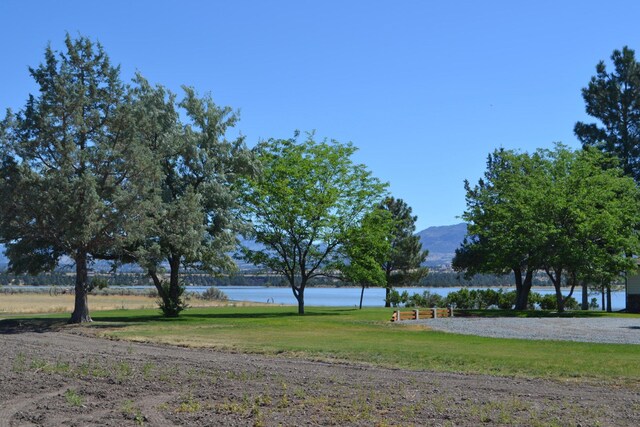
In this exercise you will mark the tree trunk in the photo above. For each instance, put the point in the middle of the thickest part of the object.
(517, 275)
(556, 278)
(585, 297)
(156, 282)
(609, 298)
(174, 279)
(522, 294)
(361, 296)
(604, 302)
(298, 292)
(300, 298)
(81, 308)
(387, 290)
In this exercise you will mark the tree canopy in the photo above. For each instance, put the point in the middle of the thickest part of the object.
(365, 250)
(403, 265)
(310, 194)
(196, 202)
(614, 99)
(563, 212)
(73, 170)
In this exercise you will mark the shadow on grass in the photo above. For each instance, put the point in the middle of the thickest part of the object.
(124, 318)
(20, 326)
(188, 316)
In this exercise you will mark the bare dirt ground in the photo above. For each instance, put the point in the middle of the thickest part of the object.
(54, 375)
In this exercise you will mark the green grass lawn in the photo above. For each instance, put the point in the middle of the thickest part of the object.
(367, 336)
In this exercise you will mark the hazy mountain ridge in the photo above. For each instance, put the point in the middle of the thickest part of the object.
(441, 241)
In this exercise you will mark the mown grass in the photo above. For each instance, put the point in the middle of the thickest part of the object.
(367, 336)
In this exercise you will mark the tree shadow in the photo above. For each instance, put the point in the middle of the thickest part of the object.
(40, 325)
(23, 325)
(187, 316)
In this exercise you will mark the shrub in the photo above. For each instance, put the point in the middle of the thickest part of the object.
(506, 300)
(549, 302)
(462, 299)
(171, 306)
(98, 282)
(213, 294)
(427, 299)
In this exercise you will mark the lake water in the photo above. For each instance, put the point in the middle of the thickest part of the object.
(350, 297)
(373, 297)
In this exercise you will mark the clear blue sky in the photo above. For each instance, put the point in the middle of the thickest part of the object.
(425, 89)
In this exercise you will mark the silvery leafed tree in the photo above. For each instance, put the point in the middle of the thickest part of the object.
(196, 202)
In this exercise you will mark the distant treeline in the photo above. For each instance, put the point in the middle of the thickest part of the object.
(433, 279)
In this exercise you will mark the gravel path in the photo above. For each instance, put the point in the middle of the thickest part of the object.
(603, 330)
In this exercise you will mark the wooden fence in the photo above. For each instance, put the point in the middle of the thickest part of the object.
(424, 313)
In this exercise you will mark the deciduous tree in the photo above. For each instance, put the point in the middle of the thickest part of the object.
(365, 250)
(504, 233)
(571, 214)
(309, 196)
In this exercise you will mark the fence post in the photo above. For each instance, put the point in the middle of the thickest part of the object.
(398, 315)
(451, 311)
(435, 312)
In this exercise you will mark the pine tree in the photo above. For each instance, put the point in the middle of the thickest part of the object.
(404, 264)
(73, 171)
(614, 99)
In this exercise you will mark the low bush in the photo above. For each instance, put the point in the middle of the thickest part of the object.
(213, 294)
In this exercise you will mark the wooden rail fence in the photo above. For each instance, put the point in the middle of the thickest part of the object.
(425, 313)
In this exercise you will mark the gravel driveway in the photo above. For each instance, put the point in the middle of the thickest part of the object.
(603, 330)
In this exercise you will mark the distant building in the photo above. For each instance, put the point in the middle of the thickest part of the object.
(633, 293)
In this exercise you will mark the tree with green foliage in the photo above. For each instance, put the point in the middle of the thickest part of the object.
(73, 171)
(404, 263)
(504, 233)
(196, 217)
(590, 219)
(614, 99)
(309, 196)
(365, 250)
(570, 214)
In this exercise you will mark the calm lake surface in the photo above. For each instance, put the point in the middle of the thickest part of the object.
(373, 297)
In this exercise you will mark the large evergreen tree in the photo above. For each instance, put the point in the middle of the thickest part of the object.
(614, 99)
(73, 172)
(404, 263)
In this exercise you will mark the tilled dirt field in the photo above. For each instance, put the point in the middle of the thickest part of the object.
(62, 377)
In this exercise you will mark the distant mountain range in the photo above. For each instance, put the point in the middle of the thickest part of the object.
(441, 241)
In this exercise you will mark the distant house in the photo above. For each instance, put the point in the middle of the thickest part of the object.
(633, 293)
